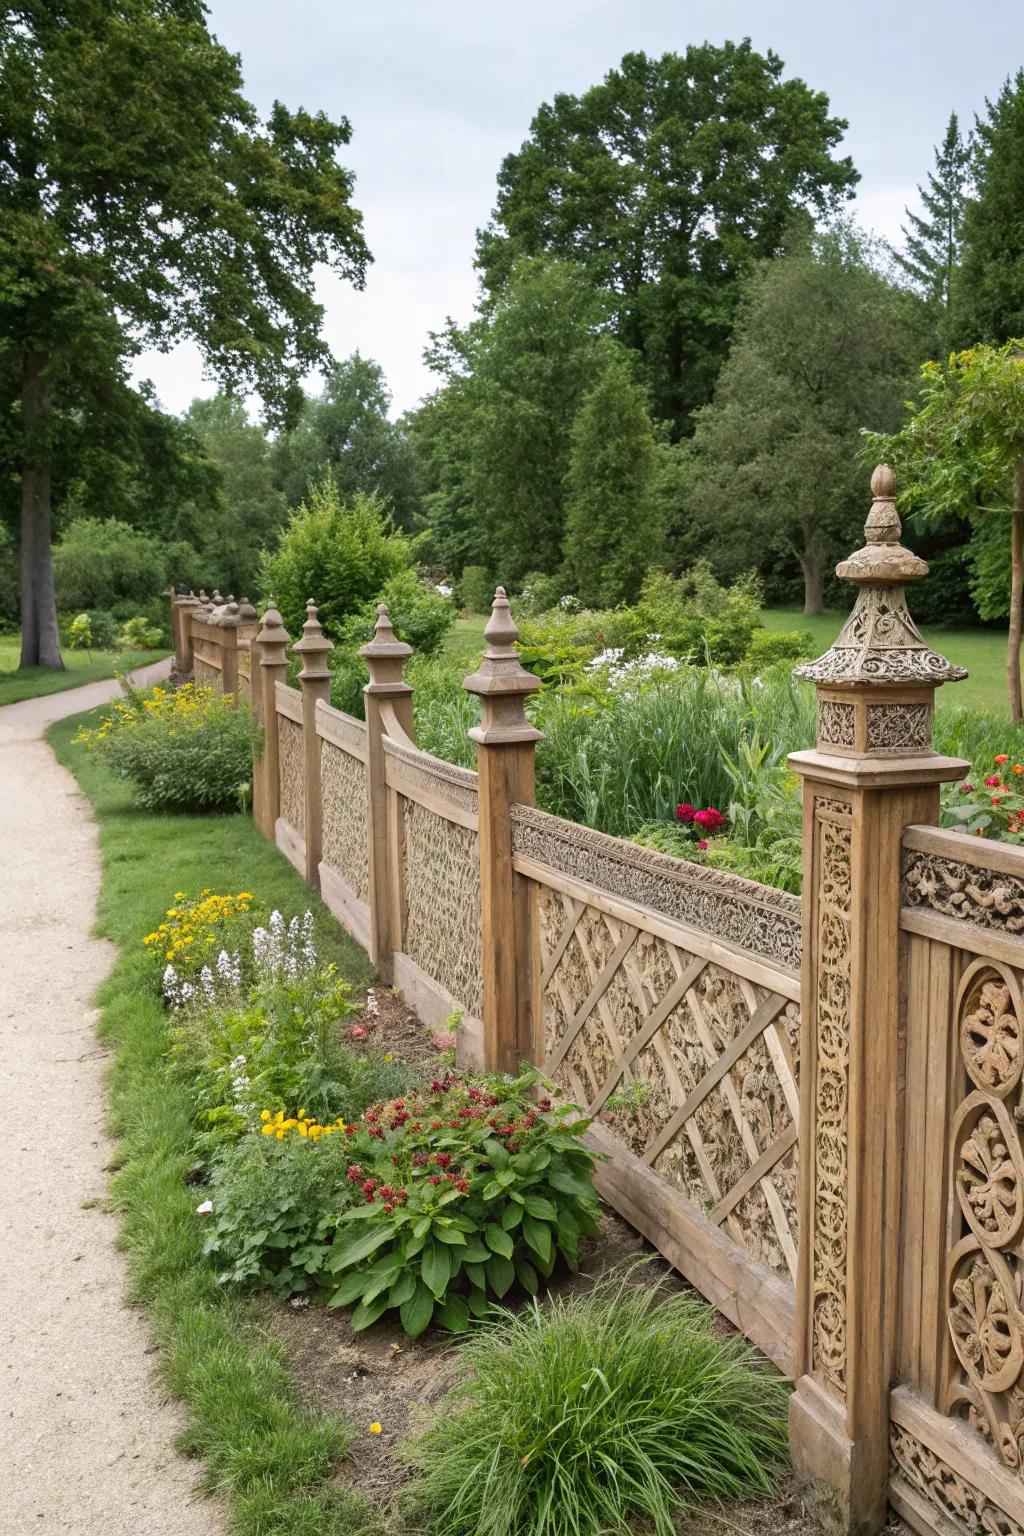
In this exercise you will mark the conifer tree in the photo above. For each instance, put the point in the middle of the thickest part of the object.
(990, 291)
(932, 252)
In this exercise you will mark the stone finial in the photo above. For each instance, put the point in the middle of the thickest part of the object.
(272, 640)
(217, 599)
(246, 611)
(313, 646)
(880, 644)
(385, 656)
(876, 685)
(502, 682)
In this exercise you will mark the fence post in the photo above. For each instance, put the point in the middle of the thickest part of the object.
(228, 625)
(270, 663)
(871, 774)
(385, 656)
(506, 746)
(315, 682)
(183, 609)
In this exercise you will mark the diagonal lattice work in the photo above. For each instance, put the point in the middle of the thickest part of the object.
(694, 1067)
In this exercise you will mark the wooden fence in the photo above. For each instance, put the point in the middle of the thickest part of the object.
(813, 1107)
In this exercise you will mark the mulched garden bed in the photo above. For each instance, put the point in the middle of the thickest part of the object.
(381, 1376)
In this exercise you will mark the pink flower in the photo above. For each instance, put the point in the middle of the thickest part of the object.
(685, 812)
(967, 789)
(992, 780)
(358, 1032)
(709, 820)
(703, 843)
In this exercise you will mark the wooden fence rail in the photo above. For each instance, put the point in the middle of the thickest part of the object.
(811, 1105)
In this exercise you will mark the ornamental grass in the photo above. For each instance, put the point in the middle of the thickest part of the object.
(597, 1414)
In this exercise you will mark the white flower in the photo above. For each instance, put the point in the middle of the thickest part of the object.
(206, 1209)
(444, 589)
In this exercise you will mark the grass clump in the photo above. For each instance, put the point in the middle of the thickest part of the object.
(595, 1412)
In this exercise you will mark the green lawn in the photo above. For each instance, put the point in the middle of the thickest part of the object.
(272, 1457)
(981, 651)
(80, 667)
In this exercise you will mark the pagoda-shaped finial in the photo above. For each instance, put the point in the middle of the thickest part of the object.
(272, 638)
(502, 681)
(879, 650)
(313, 646)
(246, 611)
(385, 656)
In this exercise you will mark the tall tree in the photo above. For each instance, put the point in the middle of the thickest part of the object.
(250, 510)
(139, 189)
(495, 440)
(612, 528)
(962, 451)
(823, 346)
(665, 182)
(346, 430)
(932, 253)
(990, 293)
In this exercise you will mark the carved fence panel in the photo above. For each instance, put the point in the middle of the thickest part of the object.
(344, 870)
(667, 1004)
(207, 658)
(957, 1427)
(291, 821)
(244, 670)
(434, 865)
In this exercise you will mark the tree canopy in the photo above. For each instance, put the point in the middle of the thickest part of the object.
(990, 301)
(664, 183)
(931, 256)
(142, 198)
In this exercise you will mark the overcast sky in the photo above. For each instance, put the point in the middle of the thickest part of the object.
(438, 91)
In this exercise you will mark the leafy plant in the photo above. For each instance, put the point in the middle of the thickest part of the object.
(989, 804)
(421, 617)
(137, 634)
(80, 633)
(476, 588)
(190, 749)
(463, 1192)
(594, 1413)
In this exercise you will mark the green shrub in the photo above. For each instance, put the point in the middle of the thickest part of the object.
(100, 561)
(597, 1414)
(419, 615)
(694, 616)
(339, 552)
(768, 646)
(186, 750)
(540, 593)
(138, 634)
(80, 636)
(476, 589)
(102, 626)
(462, 1192)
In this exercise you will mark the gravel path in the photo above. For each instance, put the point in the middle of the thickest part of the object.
(86, 1435)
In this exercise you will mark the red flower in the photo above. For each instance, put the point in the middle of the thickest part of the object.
(709, 820)
(462, 1185)
(435, 1178)
(544, 1105)
(358, 1032)
(967, 789)
(703, 843)
(369, 1187)
(1004, 757)
(992, 780)
(685, 812)
(355, 1173)
(443, 1159)
(388, 1209)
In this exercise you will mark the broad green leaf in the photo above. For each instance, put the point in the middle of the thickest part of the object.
(498, 1240)
(417, 1311)
(511, 1216)
(449, 1235)
(500, 1274)
(367, 1313)
(477, 1274)
(542, 1209)
(538, 1235)
(355, 1248)
(435, 1269)
(348, 1291)
(496, 1152)
(402, 1289)
(527, 1276)
(453, 1314)
(477, 1302)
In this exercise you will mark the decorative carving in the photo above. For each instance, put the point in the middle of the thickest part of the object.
(985, 1266)
(756, 918)
(692, 1066)
(899, 727)
(832, 1064)
(433, 776)
(442, 894)
(835, 723)
(986, 897)
(345, 846)
(970, 1511)
(293, 798)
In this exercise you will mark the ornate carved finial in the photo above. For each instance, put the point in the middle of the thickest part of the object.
(313, 646)
(502, 681)
(272, 639)
(385, 656)
(879, 647)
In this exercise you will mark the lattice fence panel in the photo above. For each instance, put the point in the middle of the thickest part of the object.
(293, 800)
(343, 782)
(205, 675)
(693, 1067)
(442, 893)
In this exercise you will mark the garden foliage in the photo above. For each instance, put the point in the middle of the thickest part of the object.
(188, 749)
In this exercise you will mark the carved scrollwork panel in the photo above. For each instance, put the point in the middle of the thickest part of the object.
(899, 727)
(964, 1505)
(835, 723)
(988, 898)
(442, 893)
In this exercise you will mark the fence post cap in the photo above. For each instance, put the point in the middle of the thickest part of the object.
(500, 670)
(246, 611)
(313, 646)
(272, 639)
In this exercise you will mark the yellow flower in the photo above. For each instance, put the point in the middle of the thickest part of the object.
(264, 1114)
(375, 1428)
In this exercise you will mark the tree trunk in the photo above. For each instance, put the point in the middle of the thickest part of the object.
(40, 637)
(814, 581)
(1016, 593)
